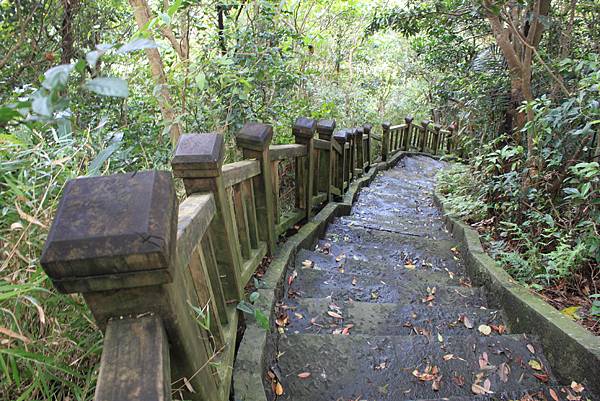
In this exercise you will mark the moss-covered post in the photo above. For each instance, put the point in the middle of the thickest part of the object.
(385, 144)
(304, 131)
(114, 240)
(198, 161)
(254, 140)
(325, 130)
(407, 138)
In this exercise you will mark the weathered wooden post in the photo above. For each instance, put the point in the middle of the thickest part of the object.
(114, 240)
(304, 132)
(407, 138)
(424, 135)
(385, 144)
(450, 138)
(198, 161)
(325, 130)
(436, 137)
(254, 140)
(360, 156)
(342, 172)
(367, 131)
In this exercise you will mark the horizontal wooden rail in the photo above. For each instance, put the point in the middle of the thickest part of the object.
(282, 152)
(237, 172)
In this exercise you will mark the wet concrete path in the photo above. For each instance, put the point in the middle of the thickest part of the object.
(382, 309)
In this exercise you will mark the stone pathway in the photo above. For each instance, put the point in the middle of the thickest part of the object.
(382, 310)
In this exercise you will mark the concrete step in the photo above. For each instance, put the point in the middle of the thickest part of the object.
(398, 249)
(428, 228)
(377, 264)
(312, 316)
(367, 367)
(316, 283)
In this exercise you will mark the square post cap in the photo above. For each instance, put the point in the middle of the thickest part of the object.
(426, 123)
(111, 232)
(437, 127)
(386, 125)
(409, 119)
(304, 127)
(367, 128)
(359, 131)
(256, 136)
(198, 155)
(326, 127)
(341, 136)
(452, 127)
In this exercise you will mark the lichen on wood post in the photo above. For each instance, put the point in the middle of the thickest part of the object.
(254, 140)
(198, 161)
(304, 132)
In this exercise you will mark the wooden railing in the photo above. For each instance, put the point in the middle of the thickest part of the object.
(163, 279)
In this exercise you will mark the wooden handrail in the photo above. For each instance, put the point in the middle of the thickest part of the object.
(234, 173)
(282, 152)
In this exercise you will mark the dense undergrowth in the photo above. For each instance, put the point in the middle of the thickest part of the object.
(542, 221)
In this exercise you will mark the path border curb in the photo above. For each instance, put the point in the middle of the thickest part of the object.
(573, 352)
(250, 361)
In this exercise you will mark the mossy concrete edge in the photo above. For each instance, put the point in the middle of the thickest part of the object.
(573, 352)
(250, 365)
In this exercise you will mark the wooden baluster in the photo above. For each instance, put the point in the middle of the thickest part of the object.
(450, 138)
(254, 140)
(406, 145)
(341, 137)
(385, 143)
(436, 138)
(424, 135)
(250, 205)
(276, 190)
(114, 239)
(367, 130)
(198, 161)
(304, 132)
(325, 130)
(241, 217)
(360, 156)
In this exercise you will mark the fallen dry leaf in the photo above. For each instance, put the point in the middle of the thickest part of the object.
(483, 361)
(354, 280)
(542, 377)
(467, 322)
(292, 277)
(530, 348)
(479, 390)
(307, 263)
(278, 389)
(459, 380)
(553, 394)
(334, 314)
(578, 387)
(535, 365)
(503, 372)
(304, 375)
(410, 265)
(485, 329)
(500, 329)
(12, 334)
(448, 357)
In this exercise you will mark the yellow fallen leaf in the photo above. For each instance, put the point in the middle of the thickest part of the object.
(577, 387)
(571, 312)
(535, 365)
(278, 389)
(410, 266)
(485, 329)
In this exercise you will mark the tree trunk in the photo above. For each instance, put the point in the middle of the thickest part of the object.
(142, 14)
(66, 30)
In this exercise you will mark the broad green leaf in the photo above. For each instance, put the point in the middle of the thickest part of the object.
(7, 114)
(137, 44)
(108, 86)
(261, 319)
(246, 307)
(101, 157)
(254, 296)
(174, 7)
(57, 76)
(201, 81)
